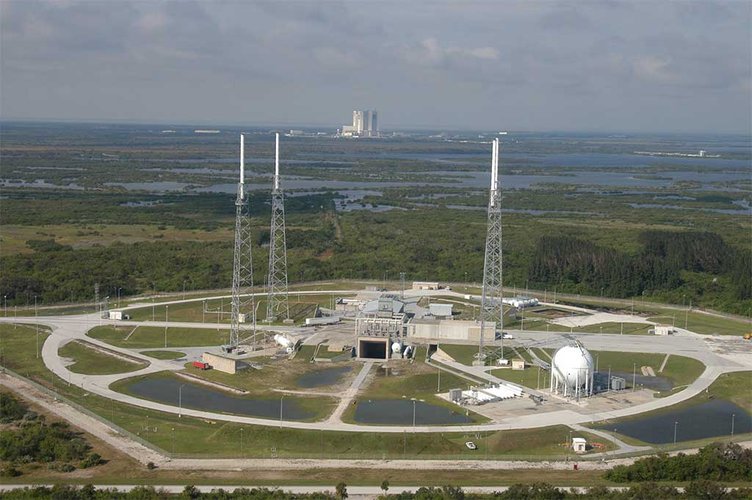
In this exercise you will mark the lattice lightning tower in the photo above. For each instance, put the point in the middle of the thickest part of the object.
(277, 304)
(491, 309)
(243, 302)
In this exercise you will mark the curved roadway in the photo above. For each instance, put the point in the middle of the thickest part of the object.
(68, 328)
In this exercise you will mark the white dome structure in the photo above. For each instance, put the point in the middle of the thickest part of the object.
(572, 371)
(397, 348)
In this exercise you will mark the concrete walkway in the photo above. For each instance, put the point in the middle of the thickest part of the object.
(349, 395)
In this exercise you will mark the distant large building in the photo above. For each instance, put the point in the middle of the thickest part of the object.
(364, 124)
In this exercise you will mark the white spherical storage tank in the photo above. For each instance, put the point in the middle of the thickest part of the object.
(572, 371)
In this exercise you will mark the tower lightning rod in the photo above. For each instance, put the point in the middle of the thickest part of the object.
(241, 192)
(276, 162)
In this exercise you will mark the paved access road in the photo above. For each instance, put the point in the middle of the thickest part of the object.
(717, 361)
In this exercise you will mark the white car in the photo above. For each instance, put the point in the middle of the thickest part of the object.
(507, 335)
(471, 446)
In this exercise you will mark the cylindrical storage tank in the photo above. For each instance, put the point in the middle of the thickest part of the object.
(396, 348)
(572, 368)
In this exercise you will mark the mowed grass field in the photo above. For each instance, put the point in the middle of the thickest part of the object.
(219, 310)
(532, 377)
(90, 361)
(18, 349)
(144, 337)
(707, 324)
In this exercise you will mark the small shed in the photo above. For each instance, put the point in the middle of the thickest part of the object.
(663, 330)
(579, 445)
(518, 364)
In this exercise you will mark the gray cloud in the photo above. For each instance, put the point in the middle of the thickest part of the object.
(518, 65)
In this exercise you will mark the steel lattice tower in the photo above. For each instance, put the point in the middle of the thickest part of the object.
(277, 304)
(491, 309)
(243, 302)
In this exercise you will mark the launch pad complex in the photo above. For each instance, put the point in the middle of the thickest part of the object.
(386, 357)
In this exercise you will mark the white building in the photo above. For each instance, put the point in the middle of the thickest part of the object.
(365, 123)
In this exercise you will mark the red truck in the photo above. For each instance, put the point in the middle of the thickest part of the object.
(201, 365)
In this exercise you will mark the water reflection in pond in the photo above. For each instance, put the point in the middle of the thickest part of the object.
(320, 378)
(167, 390)
(400, 412)
(705, 420)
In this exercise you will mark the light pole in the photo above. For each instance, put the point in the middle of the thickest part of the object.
(733, 415)
(183, 289)
(36, 325)
(241, 441)
(686, 315)
(5, 306)
(167, 319)
(173, 441)
(118, 296)
(634, 375)
(609, 378)
(203, 312)
(281, 402)
(413, 400)
(438, 384)
(180, 401)
(676, 425)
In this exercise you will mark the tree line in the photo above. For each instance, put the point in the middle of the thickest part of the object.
(661, 264)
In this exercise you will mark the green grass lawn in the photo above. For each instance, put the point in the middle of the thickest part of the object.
(682, 370)
(305, 353)
(153, 336)
(706, 324)
(93, 362)
(611, 327)
(551, 441)
(164, 354)
(207, 311)
(529, 377)
(465, 354)
(18, 349)
(324, 352)
(210, 311)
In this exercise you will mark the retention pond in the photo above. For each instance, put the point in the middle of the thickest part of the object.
(404, 412)
(704, 420)
(322, 378)
(167, 390)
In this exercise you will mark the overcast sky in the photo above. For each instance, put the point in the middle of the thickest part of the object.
(534, 65)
